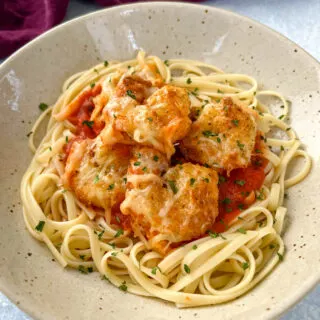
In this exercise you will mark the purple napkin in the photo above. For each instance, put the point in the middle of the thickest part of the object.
(23, 20)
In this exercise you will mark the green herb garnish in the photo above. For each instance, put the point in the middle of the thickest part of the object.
(242, 230)
(245, 265)
(131, 95)
(173, 186)
(88, 123)
(43, 106)
(209, 133)
(240, 145)
(118, 233)
(111, 186)
(123, 286)
(40, 226)
(186, 268)
(235, 122)
(240, 182)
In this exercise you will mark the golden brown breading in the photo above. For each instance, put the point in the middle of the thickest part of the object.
(95, 172)
(222, 137)
(160, 122)
(181, 205)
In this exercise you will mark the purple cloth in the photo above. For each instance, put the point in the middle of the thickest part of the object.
(23, 20)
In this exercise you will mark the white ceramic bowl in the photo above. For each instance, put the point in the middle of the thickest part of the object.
(234, 43)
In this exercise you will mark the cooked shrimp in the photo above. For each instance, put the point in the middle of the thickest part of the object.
(222, 137)
(95, 173)
(180, 206)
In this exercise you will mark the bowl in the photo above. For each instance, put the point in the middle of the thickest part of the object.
(29, 276)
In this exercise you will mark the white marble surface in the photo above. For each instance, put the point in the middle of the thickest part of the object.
(296, 19)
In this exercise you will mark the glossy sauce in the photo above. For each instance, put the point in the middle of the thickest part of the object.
(80, 118)
(235, 191)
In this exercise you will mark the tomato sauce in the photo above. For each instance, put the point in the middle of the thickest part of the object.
(80, 118)
(235, 191)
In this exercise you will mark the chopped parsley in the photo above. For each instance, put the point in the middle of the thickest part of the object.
(137, 163)
(123, 286)
(219, 91)
(261, 195)
(173, 186)
(206, 180)
(96, 179)
(192, 181)
(100, 234)
(111, 186)
(82, 257)
(194, 247)
(240, 218)
(155, 158)
(106, 63)
(282, 148)
(218, 140)
(282, 107)
(118, 233)
(242, 230)
(241, 206)
(189, 81)
(281, 117)
(144, 169)
(95, 70)
(114, 254)
(67, 139)
(240, 182)
(112, 245)
(92, 85)
(288, 129)
(82, 269)
(125, 180)
(88, 123)
(226, 201)
(216, 235)
(245, 265)
(221, 179)
(240, 145)
(186, 268)
(280, 256)
(150, 119)
(90, 269)
(104, 278)
(154, 270)
(258, 151)
(43, 106)
(235, 122)
(271, 246)
(209, 133)
(131, 95)
(213, 234)
(166, 62)
(40, 226)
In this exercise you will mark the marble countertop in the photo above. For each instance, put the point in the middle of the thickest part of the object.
(296, 19)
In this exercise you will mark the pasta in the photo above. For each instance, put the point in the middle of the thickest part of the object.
(203, 268)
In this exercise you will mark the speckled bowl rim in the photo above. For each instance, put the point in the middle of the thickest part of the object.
(306, 286)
